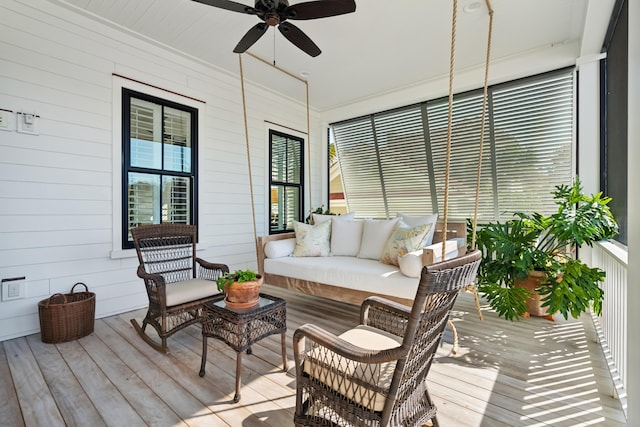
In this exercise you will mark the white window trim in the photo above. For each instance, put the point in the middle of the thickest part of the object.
(120, 83)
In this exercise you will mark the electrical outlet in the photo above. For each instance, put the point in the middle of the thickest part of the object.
(13, 288)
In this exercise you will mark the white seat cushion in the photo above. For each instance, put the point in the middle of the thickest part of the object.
(378, 374)
(189, 290)
(348, 272)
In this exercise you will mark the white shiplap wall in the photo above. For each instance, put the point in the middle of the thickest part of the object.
(59, 196)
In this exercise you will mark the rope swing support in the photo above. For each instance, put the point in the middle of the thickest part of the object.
(246, 132)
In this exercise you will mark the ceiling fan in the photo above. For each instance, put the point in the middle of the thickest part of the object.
(276, 12)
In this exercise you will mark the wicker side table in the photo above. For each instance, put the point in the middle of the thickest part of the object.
(240, 328)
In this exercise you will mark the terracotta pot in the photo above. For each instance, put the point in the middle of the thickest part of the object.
(243, 295)
(531, 283)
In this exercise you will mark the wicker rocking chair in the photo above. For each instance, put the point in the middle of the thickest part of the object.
(375, 374)
(177, 282)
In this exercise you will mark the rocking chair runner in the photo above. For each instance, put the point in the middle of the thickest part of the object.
(375, 374)
(177, 282)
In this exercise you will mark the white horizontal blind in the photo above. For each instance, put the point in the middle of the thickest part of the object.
(403, 161)
(395, 160)
(465, 146)
(533, 139)
(360, 168)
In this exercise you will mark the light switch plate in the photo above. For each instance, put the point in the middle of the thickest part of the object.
(6, 120)
(27, 123)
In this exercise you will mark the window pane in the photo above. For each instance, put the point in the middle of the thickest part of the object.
(285, 207)
(286, 158)
(145, 131)
(144, 200)
(177, 140)
(176, 194)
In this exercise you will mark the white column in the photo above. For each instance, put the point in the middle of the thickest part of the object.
(633, 199)
(589, 130)
(589, 123)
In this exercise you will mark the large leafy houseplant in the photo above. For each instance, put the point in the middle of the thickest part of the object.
(535, 242)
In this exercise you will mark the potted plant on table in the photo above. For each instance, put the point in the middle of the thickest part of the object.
(541, 249)
(241, 288)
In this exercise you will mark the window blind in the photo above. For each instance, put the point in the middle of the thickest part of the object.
(395, 160)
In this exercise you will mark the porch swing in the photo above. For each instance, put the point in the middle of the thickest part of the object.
(313, 288)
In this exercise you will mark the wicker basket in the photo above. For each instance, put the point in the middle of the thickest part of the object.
(66, 317)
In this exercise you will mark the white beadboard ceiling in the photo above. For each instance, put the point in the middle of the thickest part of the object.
(384, 46)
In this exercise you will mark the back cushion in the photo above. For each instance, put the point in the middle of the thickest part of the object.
(375, 234)
(346, 236)
(320, 218)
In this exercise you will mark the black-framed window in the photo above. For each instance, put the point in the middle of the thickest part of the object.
(286, 181)
(159, 159)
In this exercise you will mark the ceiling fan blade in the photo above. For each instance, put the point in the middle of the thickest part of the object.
(251, 37)
(298, 38)
(320, 9)
(229, 5)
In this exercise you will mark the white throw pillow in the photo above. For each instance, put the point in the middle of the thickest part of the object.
(279, 248)
(413, 220)
(312, 240)
(403, 239)
(375, 234)
(346, 237)
(320, 218)
(411, 264)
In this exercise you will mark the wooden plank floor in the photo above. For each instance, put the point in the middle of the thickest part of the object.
(528, 373)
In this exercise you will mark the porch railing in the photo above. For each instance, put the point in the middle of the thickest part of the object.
(612, 324)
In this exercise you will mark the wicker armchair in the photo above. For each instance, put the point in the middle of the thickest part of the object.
(177, 282)
(375, 374)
